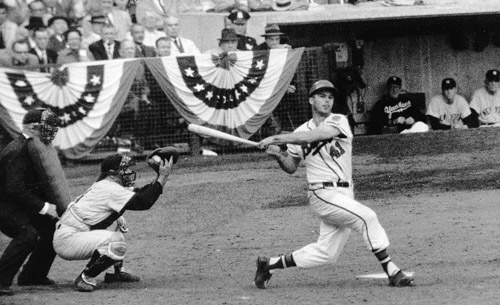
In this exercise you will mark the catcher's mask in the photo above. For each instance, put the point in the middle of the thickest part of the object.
(46, 121)
(119, 165)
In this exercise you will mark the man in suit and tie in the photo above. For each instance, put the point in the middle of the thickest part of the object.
(180, 45)
(46, 57)
(106, 48)
(8, 29)
(137, 32)
(59, 25)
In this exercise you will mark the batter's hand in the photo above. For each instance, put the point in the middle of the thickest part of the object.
(273, 150)
(263, 144)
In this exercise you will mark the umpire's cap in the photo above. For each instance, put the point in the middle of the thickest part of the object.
(322, 85)
(41, 115)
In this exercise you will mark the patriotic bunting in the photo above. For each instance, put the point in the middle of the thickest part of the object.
(87, 97)
(234, 92)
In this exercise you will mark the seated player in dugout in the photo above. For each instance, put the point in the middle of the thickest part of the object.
(485, 102)
(449, 110)
(396, 111)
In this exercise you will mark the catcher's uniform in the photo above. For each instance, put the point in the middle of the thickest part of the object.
(329, 174)
(82, 228)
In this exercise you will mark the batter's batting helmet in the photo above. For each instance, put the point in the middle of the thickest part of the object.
(322, 85)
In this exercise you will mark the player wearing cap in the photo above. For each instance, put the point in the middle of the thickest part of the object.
(239, 21)
(396, 111)
(26, 215)
(485, 101)
(81, 233)
(449, 110)
(325, 145)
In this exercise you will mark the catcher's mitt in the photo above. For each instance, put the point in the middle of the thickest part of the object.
(162, 153)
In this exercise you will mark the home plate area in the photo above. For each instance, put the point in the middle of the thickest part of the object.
(380, 275)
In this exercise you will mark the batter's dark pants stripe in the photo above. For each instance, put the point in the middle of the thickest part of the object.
(351, 212)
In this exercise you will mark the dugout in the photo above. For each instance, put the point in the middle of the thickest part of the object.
(359, 46)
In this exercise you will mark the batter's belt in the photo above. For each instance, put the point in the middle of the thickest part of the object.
(321, 185)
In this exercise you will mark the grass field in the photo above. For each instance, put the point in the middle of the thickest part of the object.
(436, 194)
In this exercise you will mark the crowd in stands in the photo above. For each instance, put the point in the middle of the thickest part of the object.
(38, 35)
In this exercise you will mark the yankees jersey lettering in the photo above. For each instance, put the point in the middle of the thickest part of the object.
(486, 105)
(328, 160)
(100, 200)
(449, 114)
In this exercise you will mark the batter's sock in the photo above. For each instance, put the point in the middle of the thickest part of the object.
(281, 262)
(389, 267)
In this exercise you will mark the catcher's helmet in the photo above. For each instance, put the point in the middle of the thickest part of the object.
(118, 165)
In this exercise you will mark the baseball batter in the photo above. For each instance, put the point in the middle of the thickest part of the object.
(325, 145)
(81, 232)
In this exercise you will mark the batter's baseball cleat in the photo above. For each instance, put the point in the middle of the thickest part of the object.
(400, 279)
(262, 275)
(84, 284)
(122, 276)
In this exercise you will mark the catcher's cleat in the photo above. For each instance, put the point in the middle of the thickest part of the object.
(84, 283)
(400, 279)
(262, 275)
(121, 276)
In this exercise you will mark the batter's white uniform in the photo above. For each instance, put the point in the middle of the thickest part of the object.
(330, 161)
(486, 105)
(74, 239)
(449, 114)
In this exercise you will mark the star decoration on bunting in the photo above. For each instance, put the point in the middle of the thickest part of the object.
(189, 72)
(199, 87)
(82, 110)
(260, 64)
(29, 100)
(209, 95)
(89, 98)
(244, 88)
(95, 80)
(66, 118)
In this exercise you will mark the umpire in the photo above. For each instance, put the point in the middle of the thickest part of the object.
(25, 214)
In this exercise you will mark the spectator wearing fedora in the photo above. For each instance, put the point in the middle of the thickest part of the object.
(449, 110)
(239, 21)
(395, 111)
(59, 25)
(485, 101)
(273, 38)
(38, 9)
(228, 42)
(34, 23)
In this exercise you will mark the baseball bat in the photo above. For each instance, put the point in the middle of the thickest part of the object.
(202, 130)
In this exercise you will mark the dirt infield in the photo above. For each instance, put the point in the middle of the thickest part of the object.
(199, 243)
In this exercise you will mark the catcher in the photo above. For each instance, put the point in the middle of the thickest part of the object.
(81, 232)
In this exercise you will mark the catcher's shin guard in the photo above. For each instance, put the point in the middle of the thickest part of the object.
(97, 264)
